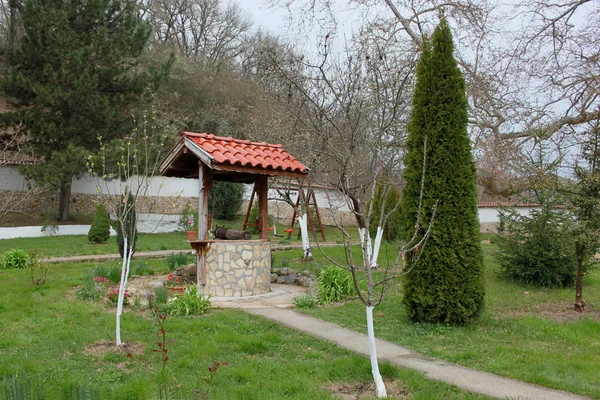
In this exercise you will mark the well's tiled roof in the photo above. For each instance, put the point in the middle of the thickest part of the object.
(227, 150)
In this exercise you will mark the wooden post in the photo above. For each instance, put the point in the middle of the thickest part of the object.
(204, 186)
(262, 189)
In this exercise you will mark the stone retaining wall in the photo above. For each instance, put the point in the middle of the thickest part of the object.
(82, 203)
(236, 268)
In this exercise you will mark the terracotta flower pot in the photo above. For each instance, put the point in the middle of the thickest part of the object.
(172, 290)
(192, 235)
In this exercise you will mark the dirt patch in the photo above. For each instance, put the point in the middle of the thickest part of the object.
(364, 391)
(141, 286)
(557, 311)
(103, 347)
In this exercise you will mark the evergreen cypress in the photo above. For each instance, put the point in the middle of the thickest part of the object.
(100, 230)
(72, 78)
(446, 284)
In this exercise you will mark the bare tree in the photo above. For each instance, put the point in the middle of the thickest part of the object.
(199, 29)
(531, 67)
(120, 185)
(351, 112)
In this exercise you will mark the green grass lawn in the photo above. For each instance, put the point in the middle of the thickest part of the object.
(46, 331)
(525, 333)
(76, 245)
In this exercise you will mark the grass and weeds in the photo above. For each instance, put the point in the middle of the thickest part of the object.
(63, 342)
(527, 333)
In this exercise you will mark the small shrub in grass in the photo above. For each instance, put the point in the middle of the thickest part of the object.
(188, 303)
(306, 301)
(15, 258)
(538, 248)
(177, 260)
(94, 288)
(334, 284)
(100, 230)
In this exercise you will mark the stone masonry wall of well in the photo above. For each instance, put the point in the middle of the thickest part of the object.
(237, 268)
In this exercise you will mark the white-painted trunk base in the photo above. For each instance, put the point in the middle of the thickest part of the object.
(125, 268)
(379, 385)
(121, 293)
(377, 246)
(302, 220)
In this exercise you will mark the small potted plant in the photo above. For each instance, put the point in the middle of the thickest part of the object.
(174, 285)
(192, 234)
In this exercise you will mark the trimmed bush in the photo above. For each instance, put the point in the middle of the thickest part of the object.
(15, 258)
(538, 249)
(100, 229)
(334, 285)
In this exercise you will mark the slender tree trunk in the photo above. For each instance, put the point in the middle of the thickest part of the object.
(365, 245)
(579, 303)
(124, 268)
(379, 385)
(64, 200)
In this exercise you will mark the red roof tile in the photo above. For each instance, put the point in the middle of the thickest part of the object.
(227, 150)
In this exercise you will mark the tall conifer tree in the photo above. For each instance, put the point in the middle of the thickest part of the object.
(72, 78)
(446, 284)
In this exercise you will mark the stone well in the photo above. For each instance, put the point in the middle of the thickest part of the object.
(237, 268)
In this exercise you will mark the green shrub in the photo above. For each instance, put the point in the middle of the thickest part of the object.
(100, 230)
(189, 303)
(334, 284)
(176, 260)
(306, 301)
(94, 287)
(15, 258)
(225, 200)
(538, 248)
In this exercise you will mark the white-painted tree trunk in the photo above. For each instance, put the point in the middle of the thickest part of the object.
(302, 220)
(379, 385)
(377, 246)
(372, 249)
(126, 257)
(365, 246)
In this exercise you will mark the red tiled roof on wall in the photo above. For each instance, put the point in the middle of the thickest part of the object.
(227, 150)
